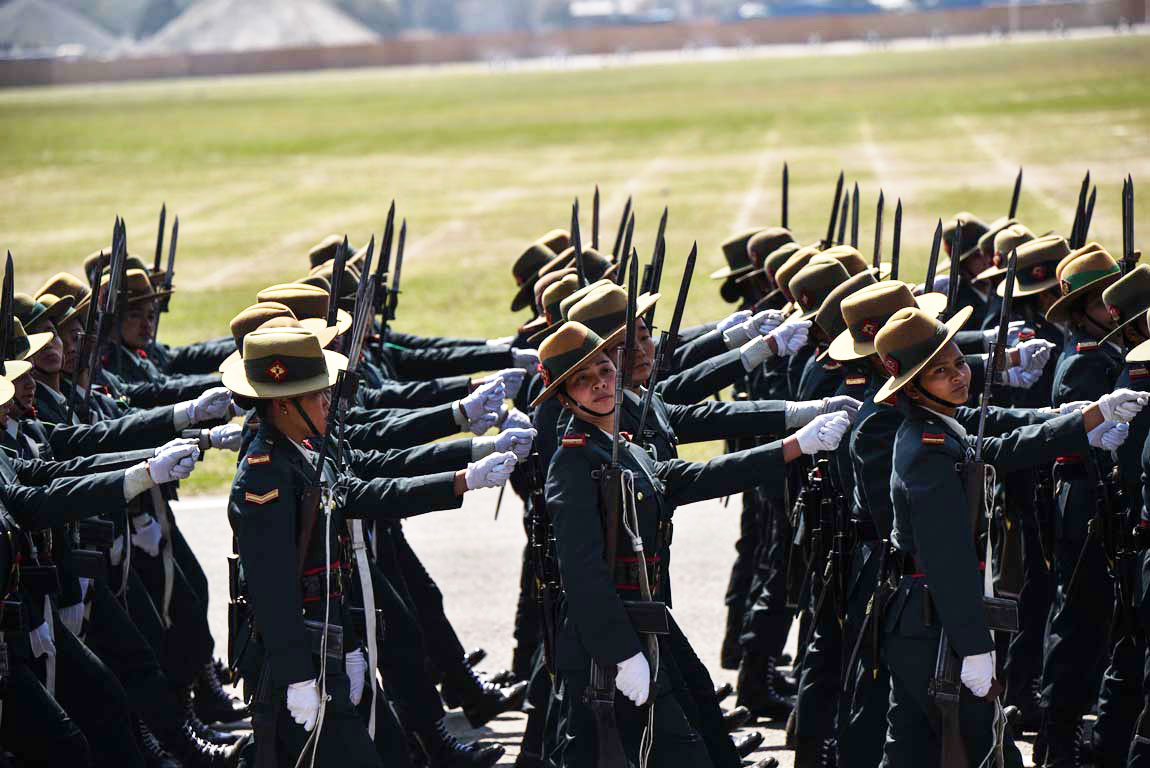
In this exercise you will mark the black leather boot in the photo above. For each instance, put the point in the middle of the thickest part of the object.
(445, 751)
(155, 756)
(723, 691)
(736, 718)
(214, 704)
(199, 727)
(756, 689)
(747, 743)
(486, 701)
(194, 752)
(731, 653)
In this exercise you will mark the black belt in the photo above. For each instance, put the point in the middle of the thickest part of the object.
(865, 531)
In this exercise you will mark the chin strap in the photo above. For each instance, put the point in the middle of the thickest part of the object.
(578, 405)
(936, 400)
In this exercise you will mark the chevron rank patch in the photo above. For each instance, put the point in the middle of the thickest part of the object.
(261, 458)
(856, 381)
(574, 440)
(933, 438)
(1139, 372)
(262, 498)
(1086, 346)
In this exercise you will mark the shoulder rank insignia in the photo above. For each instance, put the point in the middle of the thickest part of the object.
(933, 438)
(1139, 372)
(574, 440)
(1086, 346)
(260, 458)
(262, 498)
(856, 381)
(832, 365)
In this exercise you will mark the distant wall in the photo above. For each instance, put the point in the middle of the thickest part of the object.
(599, 40)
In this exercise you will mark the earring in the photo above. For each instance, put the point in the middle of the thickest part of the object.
(283, 410)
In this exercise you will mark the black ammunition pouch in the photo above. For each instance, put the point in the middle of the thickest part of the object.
(648, 616)
(90, 564)
(40, 579)
(315, 633)
(95, 533)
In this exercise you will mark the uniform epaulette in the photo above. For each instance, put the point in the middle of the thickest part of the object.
(856, 381)
(262, 498)
(832, 365)
(933, 438)
(1086, 346)
(259, 458)
(1139, 372)
(574, 440)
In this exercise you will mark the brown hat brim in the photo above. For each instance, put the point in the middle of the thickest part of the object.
(1113, 335)
(235, 378)
(896, 383)
(36, 342)
(1059, 309)
(1020, 292)
(526, 292)
(550, 390)
(845, 348)
(724, 272)
(324, 332)
(1140, 353)
(132, 300)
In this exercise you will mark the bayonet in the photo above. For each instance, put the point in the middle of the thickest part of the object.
(169, 275)
(828, 241)
(577, 244)
(896, 243)
(952, 286)
(160, 238)
(379, 292)
(1079, 213)
(393, 295)
(7, 308)
(1015, 194)
(624, 220)
(855, 217)
(657, 265)
(663, 362)
(932, 264)
(625, 250)
(336, 285)
(595, 219)
(660, 234)
(1089, 215)
(1129, 254)
(786, 190)
(876, 259)
(841, 239)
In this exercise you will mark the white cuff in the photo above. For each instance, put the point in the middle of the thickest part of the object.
(136, 480)
(460, 417)
(181, 414)
(755, 352)
(482, 446)
(799, 413)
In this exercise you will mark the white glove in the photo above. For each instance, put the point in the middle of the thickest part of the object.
(226, 436)
(843, 403)
(501, 341)
(755, 352)
(483, 423)
(1122, 404)
(978, 673)
(1033, 355)
(823, 433)
(1019, 378)
(1108, 435)
(42, 639)
(527, 359)
(72, 617)
(516, 419)
(490, 471)
(179, 441)
(212, 404)
(1077, 405)
(633, 679)
(791, 336)
(116, 552)
(512, 380)
(355, 663)
(517, 441)
(173, 462)
(757, 325)
(303, 703)
(486, 399)
(733, 319)
(147, 534)
(1012, 331)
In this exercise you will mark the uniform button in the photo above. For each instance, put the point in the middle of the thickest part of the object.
(639, 495)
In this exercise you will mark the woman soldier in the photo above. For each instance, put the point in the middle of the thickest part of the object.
(941, 586)
(597, 627)
(296, 558)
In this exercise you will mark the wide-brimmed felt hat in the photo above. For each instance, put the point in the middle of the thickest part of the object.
(305, 301)
(1005, 241)
(849, 256)
(24, 344)
(986, 239)
(771, 264)
(604, 310)
(972, 229)
(1037, 268)
(348, 284)
(324, 250)
(829, 317)
(814, 282)
(552, 300)
(765, 242)
(865, 311)
(1140, 353)
(545, 282)
(33, 313)
(908, 341)
(792, 266)
(565, 303)
(67, 315)
(319, 281)
(1090, 268)
(557, 240)
(137, 288)
(1127, 299)
(571, 347)
(283, 362)
(65, 284)
(13, 369)
(260, 315)
(525, 270)
(735, 252)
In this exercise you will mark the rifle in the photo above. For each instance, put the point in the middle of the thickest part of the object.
(952, 285)
(1088, 217)
(600, 694)
(162, 304)
(1079, 213)
(380, 290)
(7, 308)
(624, 254)
(105, 302)
(616, 252)
(1130, 256)
(336, 281)
(843, 220)
(657, 258)
(170, 270)
(577, 244)
(946, 686)
(393, 295)
(932, 264)
(786, 190)
(855, 217)
(160, 238)
(662, 364)
(876, 259)
(828, 241)
(1013, 211)
(542, 546)
(595, 219)
(896, 243)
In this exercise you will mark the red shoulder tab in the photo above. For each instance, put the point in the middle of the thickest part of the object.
(574, 440)
(933, 438)
(832, 365)
(259, 458)
(1086, 346)
(1139, 372)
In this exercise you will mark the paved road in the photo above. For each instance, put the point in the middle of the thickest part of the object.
(475, 559)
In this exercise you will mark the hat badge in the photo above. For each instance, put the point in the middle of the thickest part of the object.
(869, 328)
(543, 372)
(277, 371)
(891, 365)
(1114, 311)
(1039, 272)
(1065, 285)
(805, 299)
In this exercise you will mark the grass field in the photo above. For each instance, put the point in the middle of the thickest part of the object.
(258, 169)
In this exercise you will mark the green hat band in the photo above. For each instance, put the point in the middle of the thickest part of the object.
(284, 368)
(910, 356)
(1073, 282)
